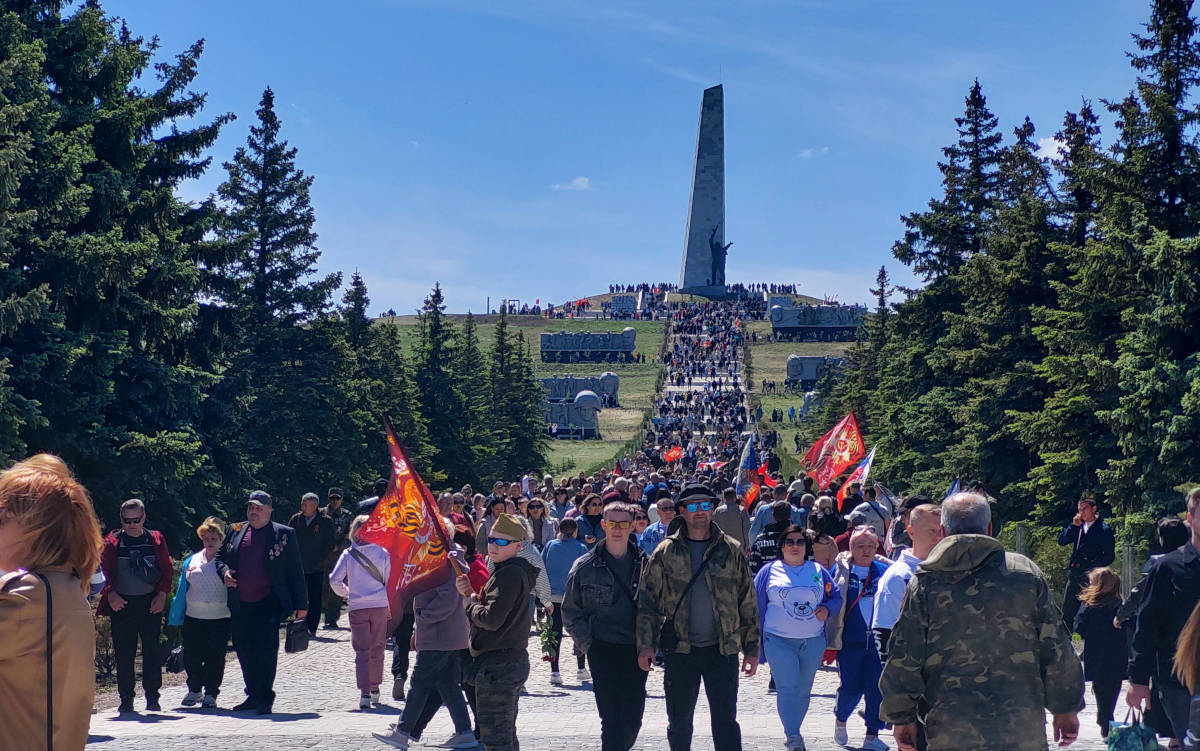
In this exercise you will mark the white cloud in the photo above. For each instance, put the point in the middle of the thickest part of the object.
(1050, 148)
(579, 183)
(810, 152)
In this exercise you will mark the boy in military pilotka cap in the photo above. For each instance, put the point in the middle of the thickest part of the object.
(500, 621)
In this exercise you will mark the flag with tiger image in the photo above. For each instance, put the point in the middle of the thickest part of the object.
(407, 525)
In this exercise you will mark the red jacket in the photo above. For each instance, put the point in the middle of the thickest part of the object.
(108, 564)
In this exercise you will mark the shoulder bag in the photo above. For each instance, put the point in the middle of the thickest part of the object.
(668, 640)
(49, 662)
(365, 562)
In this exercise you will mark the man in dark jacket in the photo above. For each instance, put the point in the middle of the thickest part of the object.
(341, 517)
(1172, 589)
(600, 613)
(314, 532)
(260, 563)
(500, 621)
(1094, 546)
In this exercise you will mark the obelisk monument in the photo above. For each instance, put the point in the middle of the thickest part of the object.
(704, 247)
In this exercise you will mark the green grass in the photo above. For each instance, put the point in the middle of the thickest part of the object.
(769, 361)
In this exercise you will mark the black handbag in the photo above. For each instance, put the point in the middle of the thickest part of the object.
(668, 640)
(296, 639)
(174, 663)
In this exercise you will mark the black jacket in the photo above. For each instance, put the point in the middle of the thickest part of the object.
(315, 540)
(1172, 590)
(597, 606)
(1092, 550)
(283, 567)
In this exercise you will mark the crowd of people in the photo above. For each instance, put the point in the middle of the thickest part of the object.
(669, 560)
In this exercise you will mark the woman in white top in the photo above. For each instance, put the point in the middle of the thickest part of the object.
(795, 597)
(360, 575)
(201, 607)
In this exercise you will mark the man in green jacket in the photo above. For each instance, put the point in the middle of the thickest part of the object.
(980, 646)
(712, 619)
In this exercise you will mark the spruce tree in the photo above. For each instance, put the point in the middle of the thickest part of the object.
(354, 311)
(438, 395)
(471, 371)
(103, 375)
(287, 363)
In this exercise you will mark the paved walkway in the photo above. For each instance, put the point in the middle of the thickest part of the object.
(317, 709)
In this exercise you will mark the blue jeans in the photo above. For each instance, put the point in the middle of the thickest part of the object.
(860, 669)
(794, 663)
(442, 672)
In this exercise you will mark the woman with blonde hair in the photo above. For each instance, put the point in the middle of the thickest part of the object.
(361, 575)
(49, 549)
(1187, 670)
(1105, 650)
(201, 607)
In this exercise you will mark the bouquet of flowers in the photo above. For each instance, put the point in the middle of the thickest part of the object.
(549, 640)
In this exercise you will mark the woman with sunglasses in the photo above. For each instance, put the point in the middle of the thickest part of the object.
(560, 503)
(591, 531)
(795, 598)
(543, 527)
(49, 547)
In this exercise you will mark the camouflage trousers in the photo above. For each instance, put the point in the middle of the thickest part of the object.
(498, 678)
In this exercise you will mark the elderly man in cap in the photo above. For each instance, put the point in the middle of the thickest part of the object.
(698, 605)
(980, 650)
(260, 564)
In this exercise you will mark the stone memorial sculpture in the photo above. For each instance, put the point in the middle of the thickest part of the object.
(578, 418)
(718, 252)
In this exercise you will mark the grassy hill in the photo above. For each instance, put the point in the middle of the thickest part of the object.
(638, 381)
(769, 361)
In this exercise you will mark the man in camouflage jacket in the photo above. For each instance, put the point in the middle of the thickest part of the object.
(980, 646)
(717, 619)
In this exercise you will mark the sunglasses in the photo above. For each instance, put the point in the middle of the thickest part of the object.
(533, 506)
(610, 524)
(500, 542)
(796, 541)
(695, 506)
(132, 521)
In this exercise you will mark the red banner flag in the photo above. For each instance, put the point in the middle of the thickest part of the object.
(617, 468)
(673, 454)
(751, 494)
(407, 525)
(842, 448)
(859, 475)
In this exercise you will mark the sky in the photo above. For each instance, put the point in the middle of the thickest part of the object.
(543, 149)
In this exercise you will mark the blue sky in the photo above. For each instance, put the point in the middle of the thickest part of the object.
(543, 149)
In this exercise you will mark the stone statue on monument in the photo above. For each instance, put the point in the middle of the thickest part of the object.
(718, 257)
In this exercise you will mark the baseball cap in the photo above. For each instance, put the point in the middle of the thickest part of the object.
(260, 497)
(334, 492)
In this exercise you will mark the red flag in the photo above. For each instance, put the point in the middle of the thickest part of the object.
(617, 468)
(842, 448)
(751, 494)
(810, 457)
(406, 523)
(673, 454)
(858, 475)
(769, 481)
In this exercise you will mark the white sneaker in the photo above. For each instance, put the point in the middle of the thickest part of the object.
(364, 702)
(191, 699)
(375, 698)
(209, 702)
(583, 676)
(874, 744)
(396, 738)
(461, 740)
(839, 734)
(556, 679)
